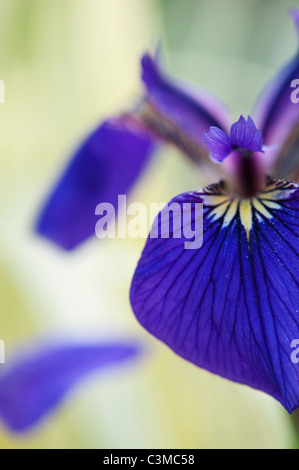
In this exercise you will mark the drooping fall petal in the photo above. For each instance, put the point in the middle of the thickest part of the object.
(232, 305)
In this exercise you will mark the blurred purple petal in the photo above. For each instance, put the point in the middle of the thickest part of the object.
(245, 135)
(278, 116)
(193, 112)
(107, 164)
(219, 143)
(230, 306)
(32, 387)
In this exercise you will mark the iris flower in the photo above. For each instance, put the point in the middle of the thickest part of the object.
(231, 306)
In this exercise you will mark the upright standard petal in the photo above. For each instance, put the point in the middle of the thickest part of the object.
(106, 165)
(245, 135)
(219, 143)
(231, 306)
(179, 114)
(36, 384)
(277, 115)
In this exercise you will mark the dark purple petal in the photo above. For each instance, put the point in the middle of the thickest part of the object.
(231, 306)
(219, 143)
(278, 116)
(107, 164)
(193, 112)
(32, 387)
(245, 135)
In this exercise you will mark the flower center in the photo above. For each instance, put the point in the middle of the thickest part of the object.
(244, 146)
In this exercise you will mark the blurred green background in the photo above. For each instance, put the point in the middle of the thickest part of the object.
(66, 65)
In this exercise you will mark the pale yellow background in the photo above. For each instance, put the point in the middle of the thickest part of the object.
(66, 65)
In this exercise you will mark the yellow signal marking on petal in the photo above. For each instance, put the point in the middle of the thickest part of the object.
(228, 205)
(219, 211)
(232, 210)
(271, 204)
(272, 187)
(260, 208)
(279, 194)
(214, 200)
(245, 210)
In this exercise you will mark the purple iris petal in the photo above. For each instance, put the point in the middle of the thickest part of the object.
(245, 135)
(107, 164)
(278, 116)
(193, 112)
(232, 305)
(36, 384)
(219, 143)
